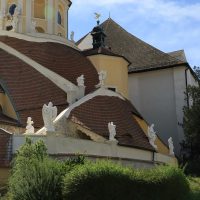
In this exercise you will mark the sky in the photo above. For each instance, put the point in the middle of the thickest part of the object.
(168, 25)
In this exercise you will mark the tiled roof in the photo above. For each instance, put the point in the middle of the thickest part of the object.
(28, 89)
(180, 55)
(141, 55)
(63, 60)
(96, 113)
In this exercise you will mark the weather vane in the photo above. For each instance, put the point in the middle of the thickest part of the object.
(97, 17)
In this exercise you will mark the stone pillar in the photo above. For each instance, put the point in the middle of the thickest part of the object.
(28, 15)
(20, 23)
(2, 14)
(50, 11)
(3, 7)
(66, 21)
(56, 18)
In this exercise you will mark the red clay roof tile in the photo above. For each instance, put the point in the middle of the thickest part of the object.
(95, 114)
(28, 89)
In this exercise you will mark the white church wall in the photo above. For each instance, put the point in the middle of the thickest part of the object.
(153, 94)
(86, 43)
(180, 98)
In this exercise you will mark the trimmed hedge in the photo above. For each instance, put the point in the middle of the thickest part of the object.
(35, 176)
(108, 181)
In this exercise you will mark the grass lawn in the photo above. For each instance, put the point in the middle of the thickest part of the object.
(195, 186)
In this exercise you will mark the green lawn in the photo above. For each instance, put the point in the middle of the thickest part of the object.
(195, 186)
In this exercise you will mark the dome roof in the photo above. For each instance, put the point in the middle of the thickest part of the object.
(30, 90)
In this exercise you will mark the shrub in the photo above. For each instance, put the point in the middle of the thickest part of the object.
(107, 181)
(34, 175)
(195, 188)
(193, 167)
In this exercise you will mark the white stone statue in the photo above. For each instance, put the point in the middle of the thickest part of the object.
(8, 21)
(81, 81)
(72, 36)
(112, 131)
(171, 146)
(49, 113)
(33, 26)
(102, 78)
(15, 20)
(152, 136)
(29, 128)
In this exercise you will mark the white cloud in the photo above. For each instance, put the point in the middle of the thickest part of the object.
(170, 10)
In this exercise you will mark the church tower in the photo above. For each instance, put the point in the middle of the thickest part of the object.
(35, 17)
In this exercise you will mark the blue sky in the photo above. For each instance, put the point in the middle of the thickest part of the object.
(168, 25)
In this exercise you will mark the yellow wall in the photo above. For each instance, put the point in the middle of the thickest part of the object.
(40, 11)
(7, 106)
(117, 71)
(162, 148)
(4, 175)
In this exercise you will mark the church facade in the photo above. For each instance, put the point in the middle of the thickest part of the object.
(51, 90)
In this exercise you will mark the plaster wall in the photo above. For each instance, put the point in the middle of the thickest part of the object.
(179, 92)
(65, 146)
(160, 97)
(86, 43)
(162, 148)
(190, 78)
(154, 95)
(117, 71)
(7, 106)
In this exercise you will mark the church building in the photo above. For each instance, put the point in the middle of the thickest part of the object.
(157, 81)
(75, 101)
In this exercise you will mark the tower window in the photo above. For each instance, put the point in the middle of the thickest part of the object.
(59, 18)
(12, 9)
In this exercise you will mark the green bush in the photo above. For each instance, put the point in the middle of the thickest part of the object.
(195, 188)
(35, 176)
(108, 181)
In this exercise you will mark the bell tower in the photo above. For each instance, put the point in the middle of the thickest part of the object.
(35, 17)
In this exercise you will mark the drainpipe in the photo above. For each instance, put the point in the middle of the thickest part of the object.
(153, 157)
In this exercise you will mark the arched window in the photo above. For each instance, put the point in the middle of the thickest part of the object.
(12, 9)
(59, 18)
(60, 15)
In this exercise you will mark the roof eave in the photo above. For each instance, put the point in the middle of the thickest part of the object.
(94, 54)
(158, 68)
